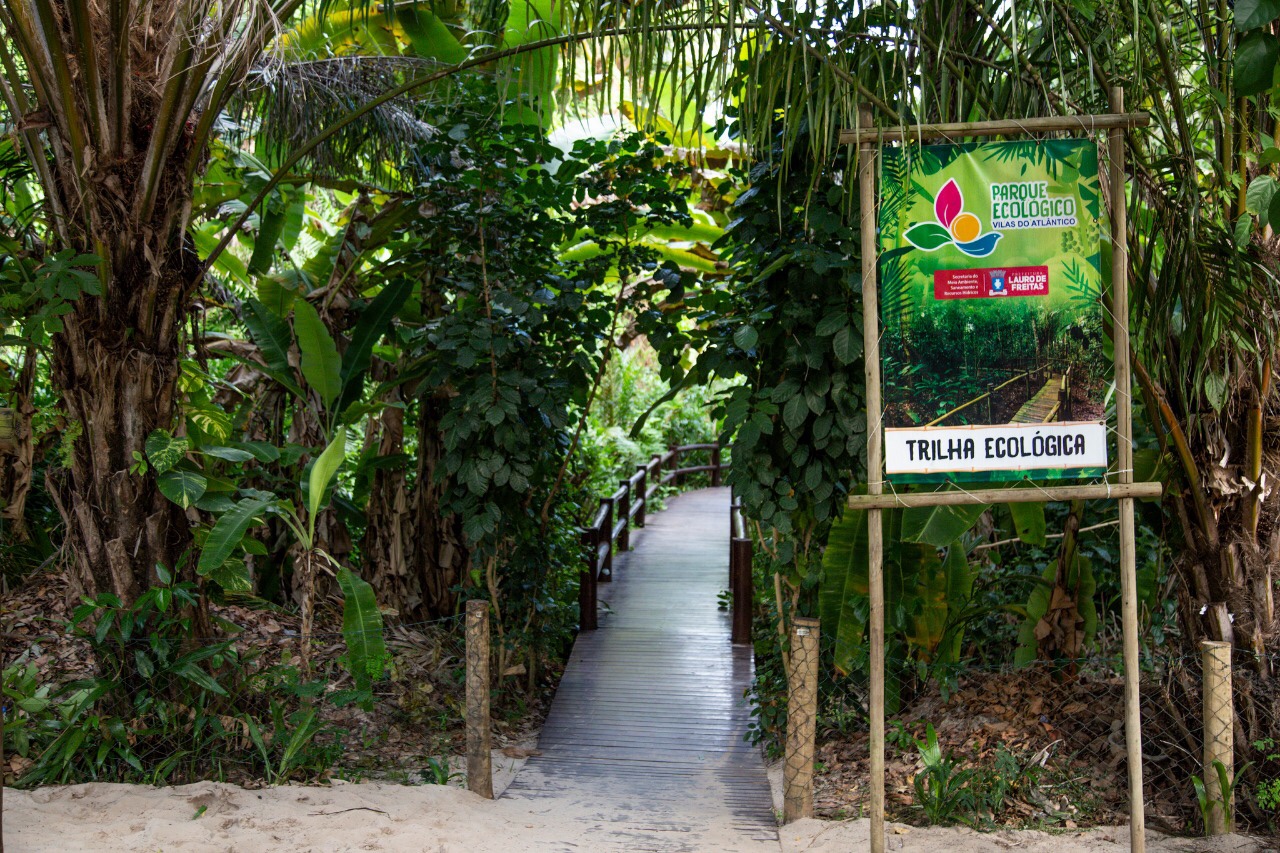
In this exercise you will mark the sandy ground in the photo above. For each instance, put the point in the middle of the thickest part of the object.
(214, 818)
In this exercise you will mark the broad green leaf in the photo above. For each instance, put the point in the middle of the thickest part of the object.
(847, 344)
(1028, 520)
(275, 296)
(1257, 199)
(939, 526)
(841, 600)
(321, 364)
(231, 454)
(362, 630)
(1273, 211)
(960, 577)
(322, 473)
(745, 337)
(193, 673)
(270, 333)
(1215, 390)
(164, 450)
(1255, 62)
(182, 487)
(228, 531)
(928, 236)
(1251, 14)
(264, 245)
(373, 323)
(232, 576)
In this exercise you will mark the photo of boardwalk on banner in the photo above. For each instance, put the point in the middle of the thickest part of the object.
(995, 364)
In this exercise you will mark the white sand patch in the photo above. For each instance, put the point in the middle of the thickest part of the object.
(109, 818)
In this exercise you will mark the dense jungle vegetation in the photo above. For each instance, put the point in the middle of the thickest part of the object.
(335, 312)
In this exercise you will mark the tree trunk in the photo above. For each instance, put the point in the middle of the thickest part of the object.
(116, 366)
(19, 457)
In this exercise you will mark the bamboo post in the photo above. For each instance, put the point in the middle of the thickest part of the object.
(1124, 460)
(1219, 745)
(875, 473)
(743, 592)
(479, 758)
(802, 721)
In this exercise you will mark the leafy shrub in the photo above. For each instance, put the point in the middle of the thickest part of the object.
(163, 707)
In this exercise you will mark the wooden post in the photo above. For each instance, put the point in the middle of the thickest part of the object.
(1124, 460)
(875, 473)
(643, 486)
(1219, 744)
(741, 585)
(675, 464)
(587, 620)
(624, 515)
(715, 462)
(606, 535)
(479, 759)
(802, 721)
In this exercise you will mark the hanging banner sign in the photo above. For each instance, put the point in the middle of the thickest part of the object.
(992, 352)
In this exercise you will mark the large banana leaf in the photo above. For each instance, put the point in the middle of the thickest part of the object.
(321, 364)
(362, 630)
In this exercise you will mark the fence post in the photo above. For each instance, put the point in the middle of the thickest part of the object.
(624, 515)
(802, 721)
(606, 570)
(1219, 716)
(479, 759)
(587, 620)
(675, 464)
(715, 461)
(643, 486)
(741, 586)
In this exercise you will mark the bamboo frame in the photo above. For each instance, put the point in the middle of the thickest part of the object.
(1125, 491)
(867, 165)
(1008, 495)
(1004, 127)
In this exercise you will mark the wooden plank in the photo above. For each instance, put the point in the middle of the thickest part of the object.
(1004, 127)
(647, 725)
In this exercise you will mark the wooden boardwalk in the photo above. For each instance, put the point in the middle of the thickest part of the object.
(1043, 406)
(645, 737)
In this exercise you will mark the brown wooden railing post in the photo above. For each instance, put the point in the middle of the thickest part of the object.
(624, 516)
(715, 461)
(587, 583)
(740, 563)
(675, 464)
(606, 570)
(643, 487)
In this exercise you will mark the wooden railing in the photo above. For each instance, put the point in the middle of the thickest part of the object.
(740, 582)
(611, 527)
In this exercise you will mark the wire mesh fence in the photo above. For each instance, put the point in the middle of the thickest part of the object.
(1044, 744)
(103, 703)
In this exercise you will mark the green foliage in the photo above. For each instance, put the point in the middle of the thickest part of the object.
(942, 787)
(1223, 803)
(160, 708)
(1267, 791)
(362, 629)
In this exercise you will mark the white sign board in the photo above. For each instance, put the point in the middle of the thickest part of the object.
(1005, 447)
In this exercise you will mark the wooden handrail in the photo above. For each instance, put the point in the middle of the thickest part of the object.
(612, 521)
(962, 406)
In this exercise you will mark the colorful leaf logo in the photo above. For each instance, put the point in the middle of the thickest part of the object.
(955, 226)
